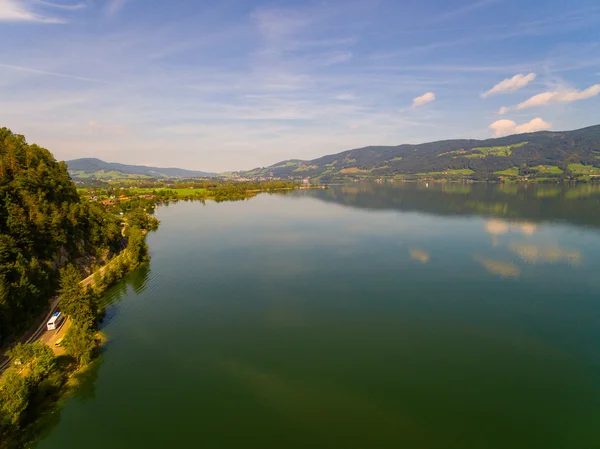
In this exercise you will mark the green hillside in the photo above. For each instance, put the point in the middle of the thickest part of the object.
(541, 155)
(43, 226)
(91, 168)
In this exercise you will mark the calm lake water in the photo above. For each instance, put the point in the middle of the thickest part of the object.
(362, 316)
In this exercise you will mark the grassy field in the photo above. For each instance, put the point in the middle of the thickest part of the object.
(431, 173)
(458, 172)
(305, 168)
(448, 172)
(481, 152)
(548, 170)
(179, 192)
(491, 151)
(513, 171)
(347, 171)
(580, 169)
(101, 174)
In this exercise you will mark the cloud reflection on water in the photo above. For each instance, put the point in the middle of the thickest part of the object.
(500, 268)
(534, 254)
(419, 255)
(497, 227)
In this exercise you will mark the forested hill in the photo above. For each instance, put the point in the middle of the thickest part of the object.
(566, 154)
(91, 168)
(43, 226)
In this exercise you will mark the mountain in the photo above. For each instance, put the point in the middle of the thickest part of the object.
(88, 168)
(547, 155)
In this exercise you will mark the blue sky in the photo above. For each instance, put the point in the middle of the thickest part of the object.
(227, 85)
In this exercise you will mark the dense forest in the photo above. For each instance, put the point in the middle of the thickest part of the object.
(549, 155)
(43, 226)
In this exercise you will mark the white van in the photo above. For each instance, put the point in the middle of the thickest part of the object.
(55, 321)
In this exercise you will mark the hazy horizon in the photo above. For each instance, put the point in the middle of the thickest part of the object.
(226, 171)
(234, 85)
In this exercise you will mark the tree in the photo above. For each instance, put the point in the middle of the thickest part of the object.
(75, 301)
(37, 358)
(43, 225)
(137, 249)
(80, 342)
(137, 218)
(14, 398)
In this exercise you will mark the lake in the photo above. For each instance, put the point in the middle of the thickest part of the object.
(361, 316)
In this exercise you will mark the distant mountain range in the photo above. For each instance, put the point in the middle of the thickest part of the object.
(542, 155)
(91, 168)
(548, 155)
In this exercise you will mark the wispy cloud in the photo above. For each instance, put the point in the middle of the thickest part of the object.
(566, 96)
(94, 127)
(344, 96)
(21, 11)
(507, 127)
(114, 6)
(65, 6)
(423, 99)
(339, 57)
(510, 84)
(503, 110)
(276, 23)
(462, 10)
(45, 72)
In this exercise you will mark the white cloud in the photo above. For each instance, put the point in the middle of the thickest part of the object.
(19, 11)
(503, 110)
(506, 127)
(510, 84)
(566, 96)
(423, 99)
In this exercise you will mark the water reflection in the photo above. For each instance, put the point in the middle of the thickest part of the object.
(498, 227)
(137, 280)
(85, 381)
(306, 323)
(359, 418)
(419, 255)
(500, 268)
(525, 203)
(546, 254)
(81, 386)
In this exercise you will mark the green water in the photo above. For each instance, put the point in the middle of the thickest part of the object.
(363, 316)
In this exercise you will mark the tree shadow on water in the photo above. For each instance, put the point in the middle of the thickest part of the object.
(138, 279)
(53, 394)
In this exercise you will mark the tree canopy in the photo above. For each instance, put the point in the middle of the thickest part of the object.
(43, 226)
